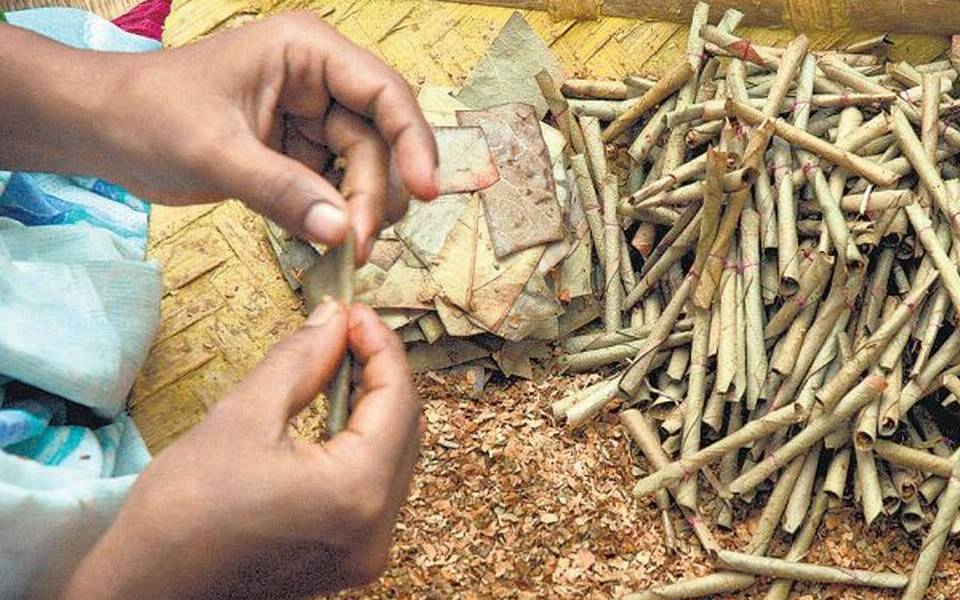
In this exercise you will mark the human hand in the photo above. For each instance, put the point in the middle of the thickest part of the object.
(238, 508)
(253, 113)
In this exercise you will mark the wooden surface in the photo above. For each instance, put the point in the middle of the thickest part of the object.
(917, 16)
(225, 302)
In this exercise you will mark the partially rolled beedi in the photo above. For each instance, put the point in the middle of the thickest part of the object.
(667, 85)
(935, 539)
(749, 432)
(870, 170)
(867, 391)
(647, 439)
(798, 571)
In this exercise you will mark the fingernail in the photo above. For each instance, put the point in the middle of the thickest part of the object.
(323, 313)
(325, 222)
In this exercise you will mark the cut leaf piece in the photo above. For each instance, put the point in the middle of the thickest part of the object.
(521, 208)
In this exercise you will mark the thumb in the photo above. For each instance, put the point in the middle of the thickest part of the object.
(283, 189)
(295, 370)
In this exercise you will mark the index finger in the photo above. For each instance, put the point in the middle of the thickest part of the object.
(363, 83)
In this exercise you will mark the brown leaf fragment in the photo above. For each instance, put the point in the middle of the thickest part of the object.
(521, 208)
(507, 71)
(466, 164)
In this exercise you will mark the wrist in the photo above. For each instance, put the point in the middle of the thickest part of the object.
(146, 553)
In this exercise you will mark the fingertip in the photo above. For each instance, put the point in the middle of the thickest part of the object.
(326, 223)
(325, 313)
(362, 317)
(368, 334)
(365, 232)
(418, 170)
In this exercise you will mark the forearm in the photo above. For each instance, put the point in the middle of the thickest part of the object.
(53, 104)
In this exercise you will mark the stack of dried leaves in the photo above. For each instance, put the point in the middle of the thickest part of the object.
(771, 250)
(493, 272)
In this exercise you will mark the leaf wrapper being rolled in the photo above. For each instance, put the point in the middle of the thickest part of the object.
(331, 276)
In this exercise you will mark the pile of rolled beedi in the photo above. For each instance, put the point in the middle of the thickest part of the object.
(796, 219)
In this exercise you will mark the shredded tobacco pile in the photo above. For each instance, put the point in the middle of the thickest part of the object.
(506, 505)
